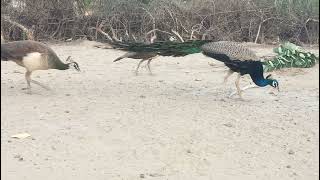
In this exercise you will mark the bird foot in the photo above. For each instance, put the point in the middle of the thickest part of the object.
(232, 94)
(236, 92)
(41, 85)
(46, 88)
(28, 90)
(272, 92)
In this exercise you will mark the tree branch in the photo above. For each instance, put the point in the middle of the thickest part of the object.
(28, 32)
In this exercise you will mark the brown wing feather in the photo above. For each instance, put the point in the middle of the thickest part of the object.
(18, 49)
(137, 55)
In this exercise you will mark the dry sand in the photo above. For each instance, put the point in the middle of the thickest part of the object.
(105, 123)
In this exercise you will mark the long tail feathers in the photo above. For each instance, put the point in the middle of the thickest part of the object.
(166, 48)
(118, 59)
(127, 55)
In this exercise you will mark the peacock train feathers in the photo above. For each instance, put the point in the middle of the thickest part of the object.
(288, 54)
(234, 55)
(163, 48)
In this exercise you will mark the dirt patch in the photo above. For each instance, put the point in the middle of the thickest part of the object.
(107, 123)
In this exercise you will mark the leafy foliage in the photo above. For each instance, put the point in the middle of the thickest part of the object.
(290, 55)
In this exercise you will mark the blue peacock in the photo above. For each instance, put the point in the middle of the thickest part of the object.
(235, 56)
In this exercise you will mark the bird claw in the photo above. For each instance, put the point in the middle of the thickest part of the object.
(272, 92)
(46, 88)
(232, 94)
(236, 92)
(28, 90)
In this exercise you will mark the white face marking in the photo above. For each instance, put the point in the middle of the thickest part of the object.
(34, 61)
(74, 65)
(274, 84)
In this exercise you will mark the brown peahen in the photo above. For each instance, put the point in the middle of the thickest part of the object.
(34, 56)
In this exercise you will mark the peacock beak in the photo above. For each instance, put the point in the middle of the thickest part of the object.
(278, 89)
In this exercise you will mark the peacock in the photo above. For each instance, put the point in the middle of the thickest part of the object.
(148, 52)
(33, 56)
(235, 56)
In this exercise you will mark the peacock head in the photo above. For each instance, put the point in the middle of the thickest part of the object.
(272, 82)
(72, 64)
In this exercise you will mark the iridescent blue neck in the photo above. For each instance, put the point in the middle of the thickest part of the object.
(262, 82)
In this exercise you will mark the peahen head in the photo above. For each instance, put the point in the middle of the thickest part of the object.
(72, 64)
(272, 82)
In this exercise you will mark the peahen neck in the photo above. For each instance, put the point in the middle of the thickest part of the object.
(61, 66)
(64, 66)
(56, 63)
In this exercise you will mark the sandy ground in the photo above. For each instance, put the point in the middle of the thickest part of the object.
(105, 123)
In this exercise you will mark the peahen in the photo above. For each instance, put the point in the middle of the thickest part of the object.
(133, 52)
(145, 56)
(33, 56)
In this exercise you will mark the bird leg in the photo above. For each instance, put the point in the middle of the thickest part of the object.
(40, 84)
(148, 65)
(272, 91)
(29, 80)
(244, 88)
(229, 73)
(139, 66)
(237, 86)
(249, 87)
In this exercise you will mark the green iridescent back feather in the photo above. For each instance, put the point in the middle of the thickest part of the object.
(164, 48)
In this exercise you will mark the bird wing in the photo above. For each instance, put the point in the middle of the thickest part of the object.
(137, 55)
(18, 49)
(233, 50)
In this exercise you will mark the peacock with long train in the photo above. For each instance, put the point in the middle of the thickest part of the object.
(235, 56)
